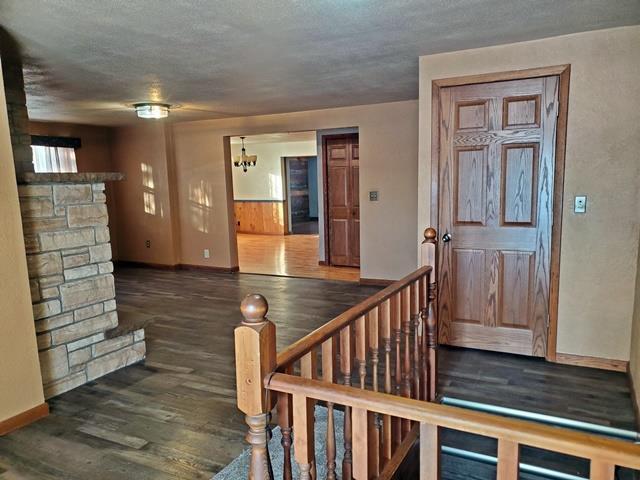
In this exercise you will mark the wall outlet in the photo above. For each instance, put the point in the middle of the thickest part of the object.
(206, 253)
(147, 244)
(580, 204)
(373, 196)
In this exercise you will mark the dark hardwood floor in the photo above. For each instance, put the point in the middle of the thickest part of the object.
(174, 417)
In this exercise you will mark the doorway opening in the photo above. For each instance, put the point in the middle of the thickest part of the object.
(302, 192)
(279, 206)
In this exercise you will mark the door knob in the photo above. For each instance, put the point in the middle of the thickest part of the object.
(446, 237)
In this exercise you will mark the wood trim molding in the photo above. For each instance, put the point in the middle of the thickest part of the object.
(207, 268)
(502, 76)
(376, 282)
(179, 266)
(157, 266)
(564, 74)
(592, 362)
(635, 399)
(25, 418)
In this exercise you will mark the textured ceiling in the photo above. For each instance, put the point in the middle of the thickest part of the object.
(88, 60)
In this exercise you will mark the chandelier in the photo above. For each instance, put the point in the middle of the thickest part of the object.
(243, 160)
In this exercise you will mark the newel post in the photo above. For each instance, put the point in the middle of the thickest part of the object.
(255, 342)
(429, 254)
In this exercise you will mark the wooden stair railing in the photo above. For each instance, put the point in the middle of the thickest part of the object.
(387, 342)
(604, 453)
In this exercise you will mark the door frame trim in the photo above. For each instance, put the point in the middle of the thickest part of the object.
(564, 74)
(325, 190)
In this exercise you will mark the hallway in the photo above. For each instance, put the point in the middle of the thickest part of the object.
(287, 255)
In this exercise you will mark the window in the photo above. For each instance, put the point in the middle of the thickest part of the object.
(54, 159)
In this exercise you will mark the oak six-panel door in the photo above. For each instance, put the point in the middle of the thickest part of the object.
(342, 157)
(497, 150)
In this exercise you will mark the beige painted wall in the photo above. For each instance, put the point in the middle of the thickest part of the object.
(93, 156)
(144, 200)
(634, 362)
(388, 153)
(599, 249)
(265, 180)
(20, 380)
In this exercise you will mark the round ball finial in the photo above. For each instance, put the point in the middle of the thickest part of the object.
(254, 308)
(430, 235)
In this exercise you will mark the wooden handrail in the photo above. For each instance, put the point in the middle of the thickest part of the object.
(579, 444)
(303, 346)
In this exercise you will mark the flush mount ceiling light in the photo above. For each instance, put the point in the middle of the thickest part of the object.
(152, 110)
(245, 161)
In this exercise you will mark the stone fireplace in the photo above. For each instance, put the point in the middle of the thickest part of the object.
(68, 248)
(65, 224)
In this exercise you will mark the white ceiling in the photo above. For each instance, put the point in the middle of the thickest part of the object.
(88, 60)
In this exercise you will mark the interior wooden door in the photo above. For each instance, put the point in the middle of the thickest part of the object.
(497, 152)
(343, 204)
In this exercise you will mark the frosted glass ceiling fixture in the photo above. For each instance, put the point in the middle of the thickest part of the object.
(152, 110)
(245, 161)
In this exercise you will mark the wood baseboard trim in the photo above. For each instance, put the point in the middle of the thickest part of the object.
(158, 266)
(376, 282)
(207, 268)
(592, 362)
(635, 399)
(24, 418)
(179, 266)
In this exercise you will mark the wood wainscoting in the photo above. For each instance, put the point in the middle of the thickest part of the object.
(266, 217)
(24, 418)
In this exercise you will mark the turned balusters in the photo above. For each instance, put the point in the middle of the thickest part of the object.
(255, 347)
(361, 349)
(285, 421)
(309, 369)
(424, 349)
(396, 323)
(406, 362)
(329, 358)
(415, 323)
(374, 419)
(346, 366)
(385, 332)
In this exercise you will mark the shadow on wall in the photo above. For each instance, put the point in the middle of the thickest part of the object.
(200, 195)
(148, 190)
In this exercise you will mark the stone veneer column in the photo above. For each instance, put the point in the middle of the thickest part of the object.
(18, 116)
(72, 285)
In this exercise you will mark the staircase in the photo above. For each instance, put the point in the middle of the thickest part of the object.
(377, 363)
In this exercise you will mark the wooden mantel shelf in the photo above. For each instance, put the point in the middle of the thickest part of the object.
(88, 177)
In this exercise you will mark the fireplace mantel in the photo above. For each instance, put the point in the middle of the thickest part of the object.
(85, 177)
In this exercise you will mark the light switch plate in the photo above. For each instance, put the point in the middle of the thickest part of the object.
(373, 196)
(580, 204)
